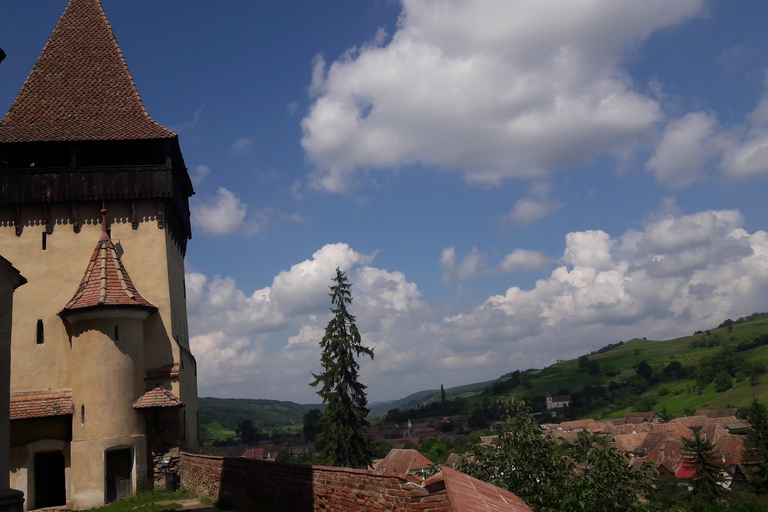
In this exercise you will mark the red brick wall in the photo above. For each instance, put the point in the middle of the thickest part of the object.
(270, 486)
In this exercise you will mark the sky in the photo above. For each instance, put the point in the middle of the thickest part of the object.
(506, 183)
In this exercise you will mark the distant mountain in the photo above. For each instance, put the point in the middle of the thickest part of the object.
(411, 400)
(614, 366)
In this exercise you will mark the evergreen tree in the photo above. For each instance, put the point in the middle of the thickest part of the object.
(343, 437)
(756, 444)
(699, 455)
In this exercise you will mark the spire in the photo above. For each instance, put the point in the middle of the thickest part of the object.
(106, 282)
(80, 87)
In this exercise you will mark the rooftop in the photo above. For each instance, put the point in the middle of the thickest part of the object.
(80, 87)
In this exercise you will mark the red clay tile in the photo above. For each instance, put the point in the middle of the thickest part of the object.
(158, 397)
(80, 87)
(40, 404)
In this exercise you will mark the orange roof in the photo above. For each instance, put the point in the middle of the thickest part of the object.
(467, 493)
(169, 371)
(402, 461)
(106, 282)
(158, 397)
(40, 404)
(80, 87)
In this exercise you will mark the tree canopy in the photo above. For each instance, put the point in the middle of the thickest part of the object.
(542, 472)
(343, 440)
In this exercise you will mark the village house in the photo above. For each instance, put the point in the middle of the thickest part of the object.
(558, 401)
(94, 207)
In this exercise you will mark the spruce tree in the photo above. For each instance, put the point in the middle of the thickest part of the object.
(756, 447)
(699, 455)
(343, 440)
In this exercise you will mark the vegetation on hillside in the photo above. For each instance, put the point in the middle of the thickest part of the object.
(713, 368)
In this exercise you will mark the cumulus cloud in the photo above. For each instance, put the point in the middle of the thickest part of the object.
(474, 263)
(199, 174)
(527, 210)
(680, 273)
(490, 88)
(225, 214)
(686, 146)
(676, 274)
(272, 335)
(523, 259)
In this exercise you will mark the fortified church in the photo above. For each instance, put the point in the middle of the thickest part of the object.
(94, 213)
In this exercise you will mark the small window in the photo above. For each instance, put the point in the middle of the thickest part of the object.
(40, 333)
(82, 415)
(45, 240)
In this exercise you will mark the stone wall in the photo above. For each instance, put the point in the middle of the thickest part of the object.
(273, 487)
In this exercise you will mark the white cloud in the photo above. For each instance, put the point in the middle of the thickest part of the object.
(242, 145)
(490, 88)
(225, 214)
(199, 174)
(677, 274)
(474, 263)
(523, 259)
(527, 210)
(686, 146)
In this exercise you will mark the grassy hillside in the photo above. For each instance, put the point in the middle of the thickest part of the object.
(622, 361)
(221, 415)
(618, 365)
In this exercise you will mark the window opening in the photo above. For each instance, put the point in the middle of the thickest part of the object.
(40, 334)
(45, 240)
(117, 334)
(82, 415)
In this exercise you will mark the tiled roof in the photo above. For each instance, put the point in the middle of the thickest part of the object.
(106, 282)
(717, 413)
(169, 371)
(158, 397)
(470, 494)
(40, 404)
(402, 461)
(80, 87)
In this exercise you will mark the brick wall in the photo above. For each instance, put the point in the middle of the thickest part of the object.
(249, 484)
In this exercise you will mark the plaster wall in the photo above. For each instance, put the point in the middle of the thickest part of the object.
(89, 457)
(103, 395)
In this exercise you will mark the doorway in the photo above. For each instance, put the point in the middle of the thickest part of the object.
(119, 466)
(50, 485)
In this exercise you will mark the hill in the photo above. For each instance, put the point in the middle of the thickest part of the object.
(603, 383)
(226, 413)
(607, 382)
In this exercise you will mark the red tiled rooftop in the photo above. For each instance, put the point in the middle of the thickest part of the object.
(40, 404)
(80, 87)
(158, 397)
(472, 495)
(106, 282)
(402, 461)
(169, 371)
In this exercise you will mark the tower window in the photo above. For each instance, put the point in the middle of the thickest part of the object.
(82, 415)
(40, 339)
(45, 240)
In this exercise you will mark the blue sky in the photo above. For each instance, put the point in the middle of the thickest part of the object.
(507, 183)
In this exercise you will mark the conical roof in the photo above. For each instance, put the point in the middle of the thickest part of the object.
(80, 87)
(106, 283)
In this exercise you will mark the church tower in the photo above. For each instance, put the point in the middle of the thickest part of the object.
(103, 383)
